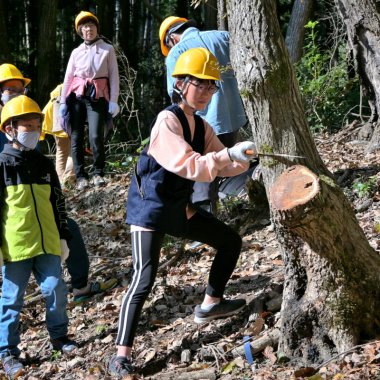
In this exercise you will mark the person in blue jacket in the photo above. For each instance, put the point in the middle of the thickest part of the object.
(225, 112)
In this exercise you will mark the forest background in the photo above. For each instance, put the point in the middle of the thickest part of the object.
(38, 37)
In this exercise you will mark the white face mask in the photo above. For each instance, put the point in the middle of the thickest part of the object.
(28, 140)
(7, 97)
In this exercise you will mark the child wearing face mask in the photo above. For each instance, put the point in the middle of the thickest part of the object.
(12, 84)
(34, 232)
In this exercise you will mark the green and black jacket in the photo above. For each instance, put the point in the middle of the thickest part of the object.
(32, 206)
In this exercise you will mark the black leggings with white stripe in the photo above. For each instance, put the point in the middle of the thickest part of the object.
(146, 253)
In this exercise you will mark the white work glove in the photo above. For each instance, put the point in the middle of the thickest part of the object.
(113, 108)
(243, 152)
(64, 250)
(62, 109)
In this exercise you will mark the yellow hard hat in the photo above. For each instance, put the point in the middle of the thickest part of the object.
(167, 24)
(199, 63)
(19, 106)
(85, 16)
(9, 72)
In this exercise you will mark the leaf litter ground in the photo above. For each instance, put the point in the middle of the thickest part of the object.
(169, 345)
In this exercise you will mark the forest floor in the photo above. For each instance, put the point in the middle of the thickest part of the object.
(169, 345)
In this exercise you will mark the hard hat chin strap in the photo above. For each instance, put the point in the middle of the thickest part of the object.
(180, 93)
(13, 138)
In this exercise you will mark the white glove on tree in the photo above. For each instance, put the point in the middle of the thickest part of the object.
(62, 109)
(64, 250)
(113, 108)
(243, 152)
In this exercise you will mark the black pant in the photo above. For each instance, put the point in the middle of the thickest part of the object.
(95, 114)
(146, 248)
(77, 262)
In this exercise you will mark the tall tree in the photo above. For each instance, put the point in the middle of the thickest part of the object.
(46, 50)
(211, 15)
(362, 20)
(106, 15)
(331, 296)
(295, 33)
(4, 46)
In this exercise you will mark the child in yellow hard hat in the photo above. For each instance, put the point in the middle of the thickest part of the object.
(52, 126)
(183, 148)
(34, 232)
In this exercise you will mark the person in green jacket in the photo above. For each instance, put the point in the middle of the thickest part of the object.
(34, 232)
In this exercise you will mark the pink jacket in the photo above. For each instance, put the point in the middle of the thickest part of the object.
(171, 151)
(89, 62)
(169, 148)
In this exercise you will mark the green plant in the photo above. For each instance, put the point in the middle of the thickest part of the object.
(55, 355)
(328, 93)
(100, 329)
(365, 188)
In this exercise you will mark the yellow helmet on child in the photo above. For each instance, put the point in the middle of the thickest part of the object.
(19, 106)
(85, 16)
(11, 72)
(199, 63)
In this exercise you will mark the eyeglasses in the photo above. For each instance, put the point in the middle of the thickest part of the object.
(210, 88)
(13, 90)
(88, 25)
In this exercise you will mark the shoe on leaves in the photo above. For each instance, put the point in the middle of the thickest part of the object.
(13, 368)
(64, 344)
(82, 183)
(120, 366)
(96, 287)
(223, 309)
(98, 180)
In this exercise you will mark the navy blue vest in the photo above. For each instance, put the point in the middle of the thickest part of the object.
(157, 198)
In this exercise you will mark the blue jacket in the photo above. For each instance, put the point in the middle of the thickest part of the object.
(225, 112)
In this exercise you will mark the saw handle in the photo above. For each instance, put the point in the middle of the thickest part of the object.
(249, 152)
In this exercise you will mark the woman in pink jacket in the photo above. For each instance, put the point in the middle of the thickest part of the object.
(183, 148)
(90, 91)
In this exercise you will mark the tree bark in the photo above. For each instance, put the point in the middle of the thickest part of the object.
(327, 284)
(295, 33)
(222, 15)
(363, 29)
(4, 46)
(332, 299)
(46, 51)
(106, 16)
(211, 15)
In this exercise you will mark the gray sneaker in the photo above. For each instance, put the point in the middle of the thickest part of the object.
(64, 344)
(223, 309)
(82, 183)
(120, 366)
(12, 367)
(98, 180)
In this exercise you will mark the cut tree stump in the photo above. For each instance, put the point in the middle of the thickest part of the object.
(331, 298)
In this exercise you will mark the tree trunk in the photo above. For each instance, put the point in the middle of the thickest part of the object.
(222, 15)
(363, 29)
(295, 33)
(106, 16)
(46, 51)
(4, 46)
(322, 243)
(211, 15)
